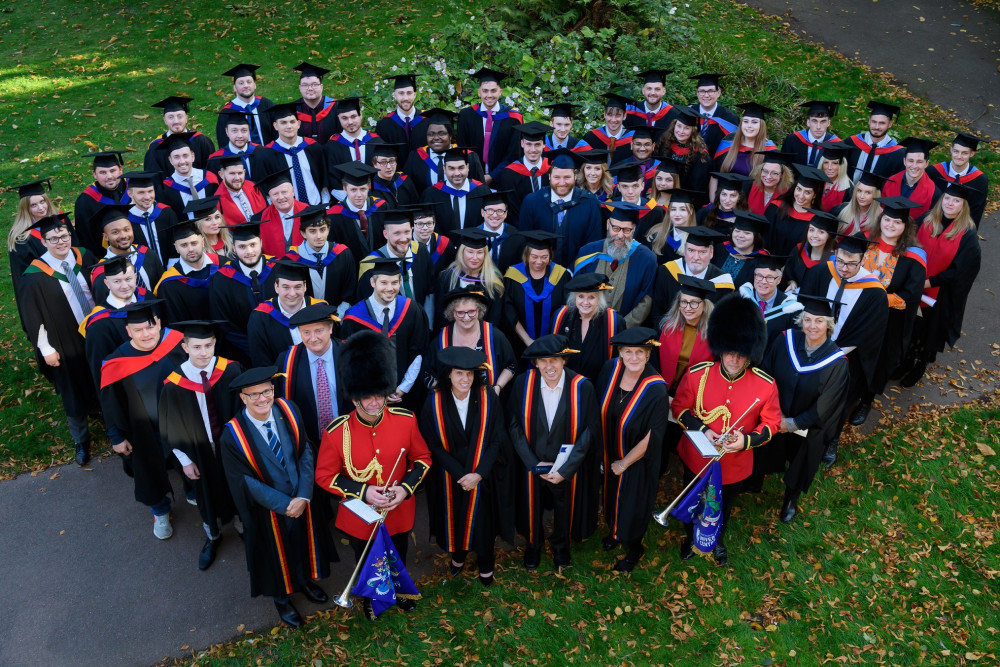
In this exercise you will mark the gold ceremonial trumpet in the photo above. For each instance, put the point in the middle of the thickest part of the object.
(662, 516)
(344, 599)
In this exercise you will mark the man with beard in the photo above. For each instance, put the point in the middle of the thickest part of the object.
(151, 220)
(530, 173)
(405, 126)
(304, 157)
(450, 197)
(314, 109)
(175, 117)
(875, 151)
(184, 286)
(247, 102)
(699, 249)
(239, 199)
(653, 111)
(415, 266)
(629, 266)
(187, 182)
(119, 237)
(489, 127)
(353, 220)
(237, 129)
(108, 188)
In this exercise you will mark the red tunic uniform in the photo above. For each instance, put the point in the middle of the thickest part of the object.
(715, 400)
(354, 455)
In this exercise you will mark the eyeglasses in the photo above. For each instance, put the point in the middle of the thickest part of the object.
(429, 223)
(707, 91)
(690, 305)
(385, 162)
(765, 279)
(772, 174)
(310, 85)
(62, 238)
(847, 265)
(439, 133)
(466, 314)
(494, 212)
(253, 396)
(626, 231)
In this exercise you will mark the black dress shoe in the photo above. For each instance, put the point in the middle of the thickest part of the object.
(721, 553)
(406, 604)
(830, 454)
(207, 555)
(609, 543)
(561, 558)
(790, 506)
(913, 376)
(628, 563)
(83, 453)
(486, 581)
(532, 557)
(455, 570)
(860, 414)
(314, 593)
(687, 552)
(288, 613)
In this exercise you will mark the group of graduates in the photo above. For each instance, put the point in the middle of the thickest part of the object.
(522, 317)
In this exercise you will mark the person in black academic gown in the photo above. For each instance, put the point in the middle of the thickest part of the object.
(253, 106)
(450, 197)
(811, 372)
(804, 144)
(875, 150)
(699, 249)
(269, 464)
(317, 121)
(425, 165)
(390, 184)
(538, 437)
(151, 220)
(588, 323)
(613, 136)
(416, 270)
(352, 144)
(333, 272)
(490, 127)
(184, 286)
(634, 406)
(506, 243)
(239, 286)
(118, 233)
(463, 425)
(24, 243)
(528, 174)
(175, 117)
(404, 125)
(534, 289)
(131, 382)
(52, 317)
(717, 121)
(958, 170)
(745, 246)
(473, 265)
(183, 182)
(269, 331)
(108, 188)
(353, 220)
(304, 157)
(789, 214)
(195, 404)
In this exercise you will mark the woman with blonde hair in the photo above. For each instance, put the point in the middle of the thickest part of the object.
(741, 151)
(771, 179)
(472, 266)
(594, 176)
(861, 213)
(213, 229)
(833, 163)
(24, 244)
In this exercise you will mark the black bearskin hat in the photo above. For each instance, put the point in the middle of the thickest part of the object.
(367, 366)
(737, 325)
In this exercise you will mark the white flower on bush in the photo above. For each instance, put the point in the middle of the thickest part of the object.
(564, 90)
(451, 89)
(471, 71)
(458, 103)
(673, 10)
(393, 68)
(508, 101)
(635, 68)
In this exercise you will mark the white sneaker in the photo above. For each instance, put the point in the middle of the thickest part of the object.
(161, 526)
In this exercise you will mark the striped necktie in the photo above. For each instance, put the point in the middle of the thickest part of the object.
(272, 442)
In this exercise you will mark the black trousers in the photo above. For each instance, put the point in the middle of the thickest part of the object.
(400, 540)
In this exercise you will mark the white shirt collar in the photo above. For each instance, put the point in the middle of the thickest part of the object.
(117, 303)
(193, 373)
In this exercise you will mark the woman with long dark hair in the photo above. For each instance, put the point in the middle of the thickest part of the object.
(683, 145)
(817, 246)
(790, 214)
(728, 199)
(741, 250)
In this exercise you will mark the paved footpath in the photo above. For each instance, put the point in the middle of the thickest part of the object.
(86, 583)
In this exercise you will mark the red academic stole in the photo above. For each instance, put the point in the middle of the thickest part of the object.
(521, 169)
(865, 147)
(923, 192)
(181, 380)
(942, 171)
(755, 200)
(243, 443)
(531, 379)
(120, 368)
(940, 251)
(641, 388)
(489, 349)
(462, 542)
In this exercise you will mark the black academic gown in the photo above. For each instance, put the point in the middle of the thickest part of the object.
(666, 288)
(392, 129)
(420, 274)
(505, 146)
(320, 123)
(811, 392)
(183, 428)
(283, 554)
(231, 299)
(104, 332)
(266, 128)
(492, 343)
(156, 160)
(888, 162)
(339, 150)
(340, 272)
(787, 229)
(580, 225)
(422, 167)
(185, 296)
(269, 333)
(271, 159)
(517, 178)
(533, 442)
(465, 520)
(18, 260)
(345, 226)
(595, 348)
(907, 283)
(627, 417)
(714, 130)
(172, 192)
(400, 191)
(145, 262)
(161, 219)
(130, 401)
(531, 303)
(408, 330)
(440, 196)
(88, 203)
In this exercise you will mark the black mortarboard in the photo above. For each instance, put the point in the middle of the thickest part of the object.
(958, 190)
(198, 328)
(347, 104)
(564, 158)
(883, 109)
(821, 107)
(871, 179)
(655, 76)
(772, 262)
(667, 165)
(472, 237)
(439, 116)
(107, 214)
(824, 220)
(318, 312)
(227, 161)
(286, 269)
(420, 209)
(561, 109)
(107, 158)
(182, 229)
(233, 117)
(855, 244)
(141, 312)
(386, 150)
(466, 292)
(491, 198)
(816, 305)
(461, 357)
(245, 231)
(356, 172)
(587, 282)
(627, 170)
(699, 287)
(199, 208)
(396, 216)
(730, 180)
(810, 177)
(707, 79)
(754, 110)
(641, 130)
(142, 179)
(616, 101)
(485, 74)
(311, 216)
(383, 266)
(687, 116)
(550, 345)
(308, 69)
(897, 207)
(623, 211)
(834, 150)
(540, 240)
(969, 141)
(118, 264)
(242, 70)
(593, 156)
(534, 130)
(403, 81)
(173, 103)
(50, 222)
(776, 157)
(682, 196)
(456, 154)
(918, 145)
(283, 110)
(271, 181)
(702, 236)
(175, 141)
(33, 188)
(750, 221)
(254, 377)
(636, 337)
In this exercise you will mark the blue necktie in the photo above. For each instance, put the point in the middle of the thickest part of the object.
(561, 215)
(272, 442)
(246, 163)
(300, 182)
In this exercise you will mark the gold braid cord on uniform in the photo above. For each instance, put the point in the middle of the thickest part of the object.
(365, 474)
(713, 414)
